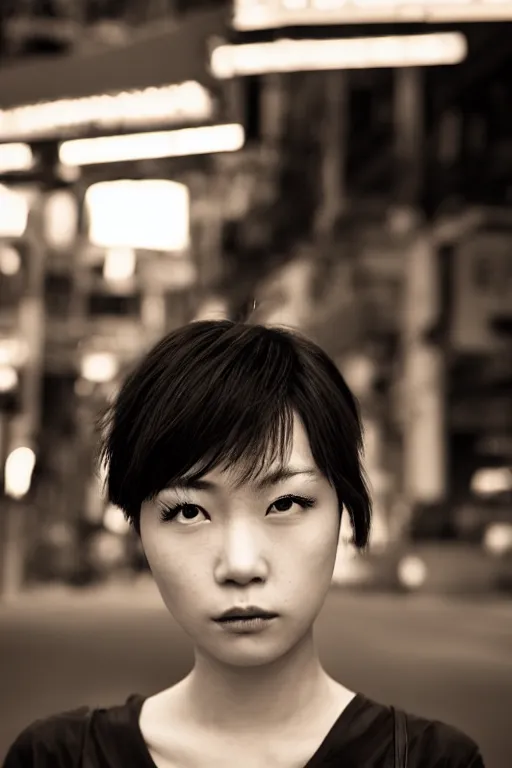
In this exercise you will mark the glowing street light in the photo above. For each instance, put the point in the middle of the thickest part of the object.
(18, 472)
(10, 260)
(8, 378)
(182, 102)
(275, 14)
(412, 572)
(229, 61)
(99, 367)
(204, 140)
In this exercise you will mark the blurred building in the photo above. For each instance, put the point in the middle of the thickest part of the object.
(108, 158)
(342, 170)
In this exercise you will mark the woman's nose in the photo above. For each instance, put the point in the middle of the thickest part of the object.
(241, 558)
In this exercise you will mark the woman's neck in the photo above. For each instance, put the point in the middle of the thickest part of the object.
(264, 697)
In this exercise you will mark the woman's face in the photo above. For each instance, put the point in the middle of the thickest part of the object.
(266, 544)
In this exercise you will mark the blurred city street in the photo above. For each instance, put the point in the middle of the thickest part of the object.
(446, 659)
(343, 169)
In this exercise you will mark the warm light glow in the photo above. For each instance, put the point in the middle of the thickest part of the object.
(275, 14)
(119, 264)
(8, 378)
(204, 140)
(10, 260)
(229, 61)
(491, 480)
(15, 157)
(99, 367)
(13, 352)
(61, 217)
(115, 521)
(180, 103)
(498, 539)
(151, 214)
(412, 572)
(18, 472)
(13, 212)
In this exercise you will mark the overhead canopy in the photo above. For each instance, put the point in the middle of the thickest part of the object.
(174, 53)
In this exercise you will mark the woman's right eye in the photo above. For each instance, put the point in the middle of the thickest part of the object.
(184, 514)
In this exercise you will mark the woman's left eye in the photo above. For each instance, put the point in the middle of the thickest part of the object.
(286, 503)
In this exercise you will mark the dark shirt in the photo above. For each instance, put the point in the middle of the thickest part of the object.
(362, 737)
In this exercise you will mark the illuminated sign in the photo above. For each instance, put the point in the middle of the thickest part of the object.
(186, 102)
(147, 214)
(229, 61)
(273, 14)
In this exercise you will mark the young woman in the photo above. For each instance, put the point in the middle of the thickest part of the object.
(234, 450)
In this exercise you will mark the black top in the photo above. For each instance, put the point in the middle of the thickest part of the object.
(362, 737)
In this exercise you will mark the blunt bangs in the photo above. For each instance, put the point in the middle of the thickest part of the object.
(224, 394)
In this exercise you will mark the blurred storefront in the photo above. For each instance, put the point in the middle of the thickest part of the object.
(476, 251)
(116, 151)
(367, 275)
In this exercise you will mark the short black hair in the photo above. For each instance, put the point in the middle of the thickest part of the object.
(217, 393)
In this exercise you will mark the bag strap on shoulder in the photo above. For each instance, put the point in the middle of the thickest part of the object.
(400, 740)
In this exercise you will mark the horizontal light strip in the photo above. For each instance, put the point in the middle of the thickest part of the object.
(182, 102)
(15, 157)
(204, 140)
(229, 61)
(266, 14)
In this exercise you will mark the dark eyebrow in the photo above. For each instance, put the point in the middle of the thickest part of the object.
(273, 478)
(284, 473)
(191, 484)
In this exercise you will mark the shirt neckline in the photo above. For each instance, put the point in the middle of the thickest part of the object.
(136, 701)
(333, 736)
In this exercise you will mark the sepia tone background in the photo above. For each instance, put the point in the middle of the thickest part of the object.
(341, 168)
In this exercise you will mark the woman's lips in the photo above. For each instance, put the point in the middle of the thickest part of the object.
(247, 625)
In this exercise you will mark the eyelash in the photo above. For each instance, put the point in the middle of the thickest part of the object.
(169, 513)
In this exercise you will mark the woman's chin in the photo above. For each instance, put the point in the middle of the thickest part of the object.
(247, 651)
